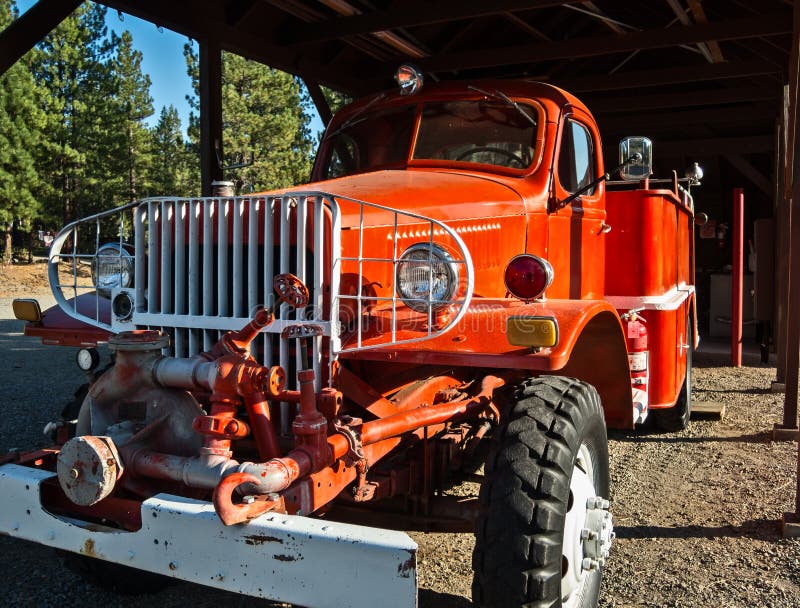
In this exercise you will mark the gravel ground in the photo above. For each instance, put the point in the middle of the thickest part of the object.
(697, 513)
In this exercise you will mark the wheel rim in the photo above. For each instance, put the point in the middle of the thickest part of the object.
(587, 531)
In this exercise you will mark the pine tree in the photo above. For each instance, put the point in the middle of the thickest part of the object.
(171, 161)
(129, 135)
(21, 125)
(72, 67)
(264, 111)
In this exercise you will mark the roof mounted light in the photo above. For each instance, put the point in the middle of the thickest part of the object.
(527, 276)
(409, 78)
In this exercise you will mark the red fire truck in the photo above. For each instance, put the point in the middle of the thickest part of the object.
(458, 294)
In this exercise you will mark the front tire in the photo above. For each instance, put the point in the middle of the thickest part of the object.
(546, 483)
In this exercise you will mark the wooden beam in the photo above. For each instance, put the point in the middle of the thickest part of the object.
(677, 75)
(763, 113)
(683, 17)
(790, 520)
(210, 114)
(793, 201)
(408, 14)
(764, 25)
(629, 104)
(237, 11)
(714, 146)
(744, 167)
(696, 6)
(185, 18)
(33, 25)
(318, 97)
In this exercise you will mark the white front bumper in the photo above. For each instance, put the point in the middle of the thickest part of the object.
(311, 562)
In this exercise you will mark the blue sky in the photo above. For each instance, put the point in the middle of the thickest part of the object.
(162, 60)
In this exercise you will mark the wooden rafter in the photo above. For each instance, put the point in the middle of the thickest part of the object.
(696, 6)
(746, 168)
(765, 25)
(409, 14)
(661, 101)
(683, 17)
(23, 33)
(649, 78)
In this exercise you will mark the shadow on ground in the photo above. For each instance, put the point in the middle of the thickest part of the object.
(760, 529)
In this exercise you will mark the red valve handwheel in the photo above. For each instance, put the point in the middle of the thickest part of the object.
(291, 290)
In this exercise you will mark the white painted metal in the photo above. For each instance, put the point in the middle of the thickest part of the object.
(209, 298)
(223, 291)
(671, 300)
(304, 561)
(180, 273)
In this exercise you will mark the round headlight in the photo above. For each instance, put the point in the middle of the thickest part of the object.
(426, 274)
(112, 267)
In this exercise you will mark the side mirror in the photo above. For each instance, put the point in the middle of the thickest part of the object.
(640, 148)
(701, 219)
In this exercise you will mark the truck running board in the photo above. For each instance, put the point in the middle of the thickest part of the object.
(305, 561)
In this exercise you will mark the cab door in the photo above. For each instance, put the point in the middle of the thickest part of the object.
(576, 229)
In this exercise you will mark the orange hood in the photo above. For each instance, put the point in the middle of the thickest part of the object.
(438, 194)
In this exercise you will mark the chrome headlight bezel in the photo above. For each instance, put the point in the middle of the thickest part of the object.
(445, 269)
(112, 267)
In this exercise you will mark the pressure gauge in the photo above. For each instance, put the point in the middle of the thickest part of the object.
(88, 359)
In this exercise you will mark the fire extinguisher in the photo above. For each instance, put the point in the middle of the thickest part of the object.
(636, 341)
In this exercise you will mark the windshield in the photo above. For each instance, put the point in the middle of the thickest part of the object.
(377, 139)
(490, 132)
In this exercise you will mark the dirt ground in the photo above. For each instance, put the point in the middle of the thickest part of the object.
(696, 513)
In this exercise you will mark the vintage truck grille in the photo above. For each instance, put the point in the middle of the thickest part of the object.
(202, 266)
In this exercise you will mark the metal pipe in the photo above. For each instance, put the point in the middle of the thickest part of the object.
(261, 424)
(208, 469)
(737, 285)
(395, 425)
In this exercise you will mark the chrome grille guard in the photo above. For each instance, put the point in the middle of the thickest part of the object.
(201, 267)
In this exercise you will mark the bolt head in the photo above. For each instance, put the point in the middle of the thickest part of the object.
(74, 473)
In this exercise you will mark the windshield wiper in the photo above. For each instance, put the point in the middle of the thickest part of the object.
(505, 98)
(355, 118)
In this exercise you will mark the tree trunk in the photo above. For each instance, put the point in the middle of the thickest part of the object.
(7, 250)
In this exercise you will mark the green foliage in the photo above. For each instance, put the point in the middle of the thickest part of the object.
(173, 170)
(264, 111)
(74, 138)
(129, 138)
(72, 66)
(336, 99)
(21, 126)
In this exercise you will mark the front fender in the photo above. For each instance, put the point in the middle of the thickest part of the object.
(591, 347)
(57, 327)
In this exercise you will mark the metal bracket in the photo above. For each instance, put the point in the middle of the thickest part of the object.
(350, 429)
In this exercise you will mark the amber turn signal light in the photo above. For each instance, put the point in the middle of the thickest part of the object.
(534, 332)
(27, 309)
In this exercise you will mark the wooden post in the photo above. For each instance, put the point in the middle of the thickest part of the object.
(737, 280)
(210, 114)
(791, 521)
(782, 222)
